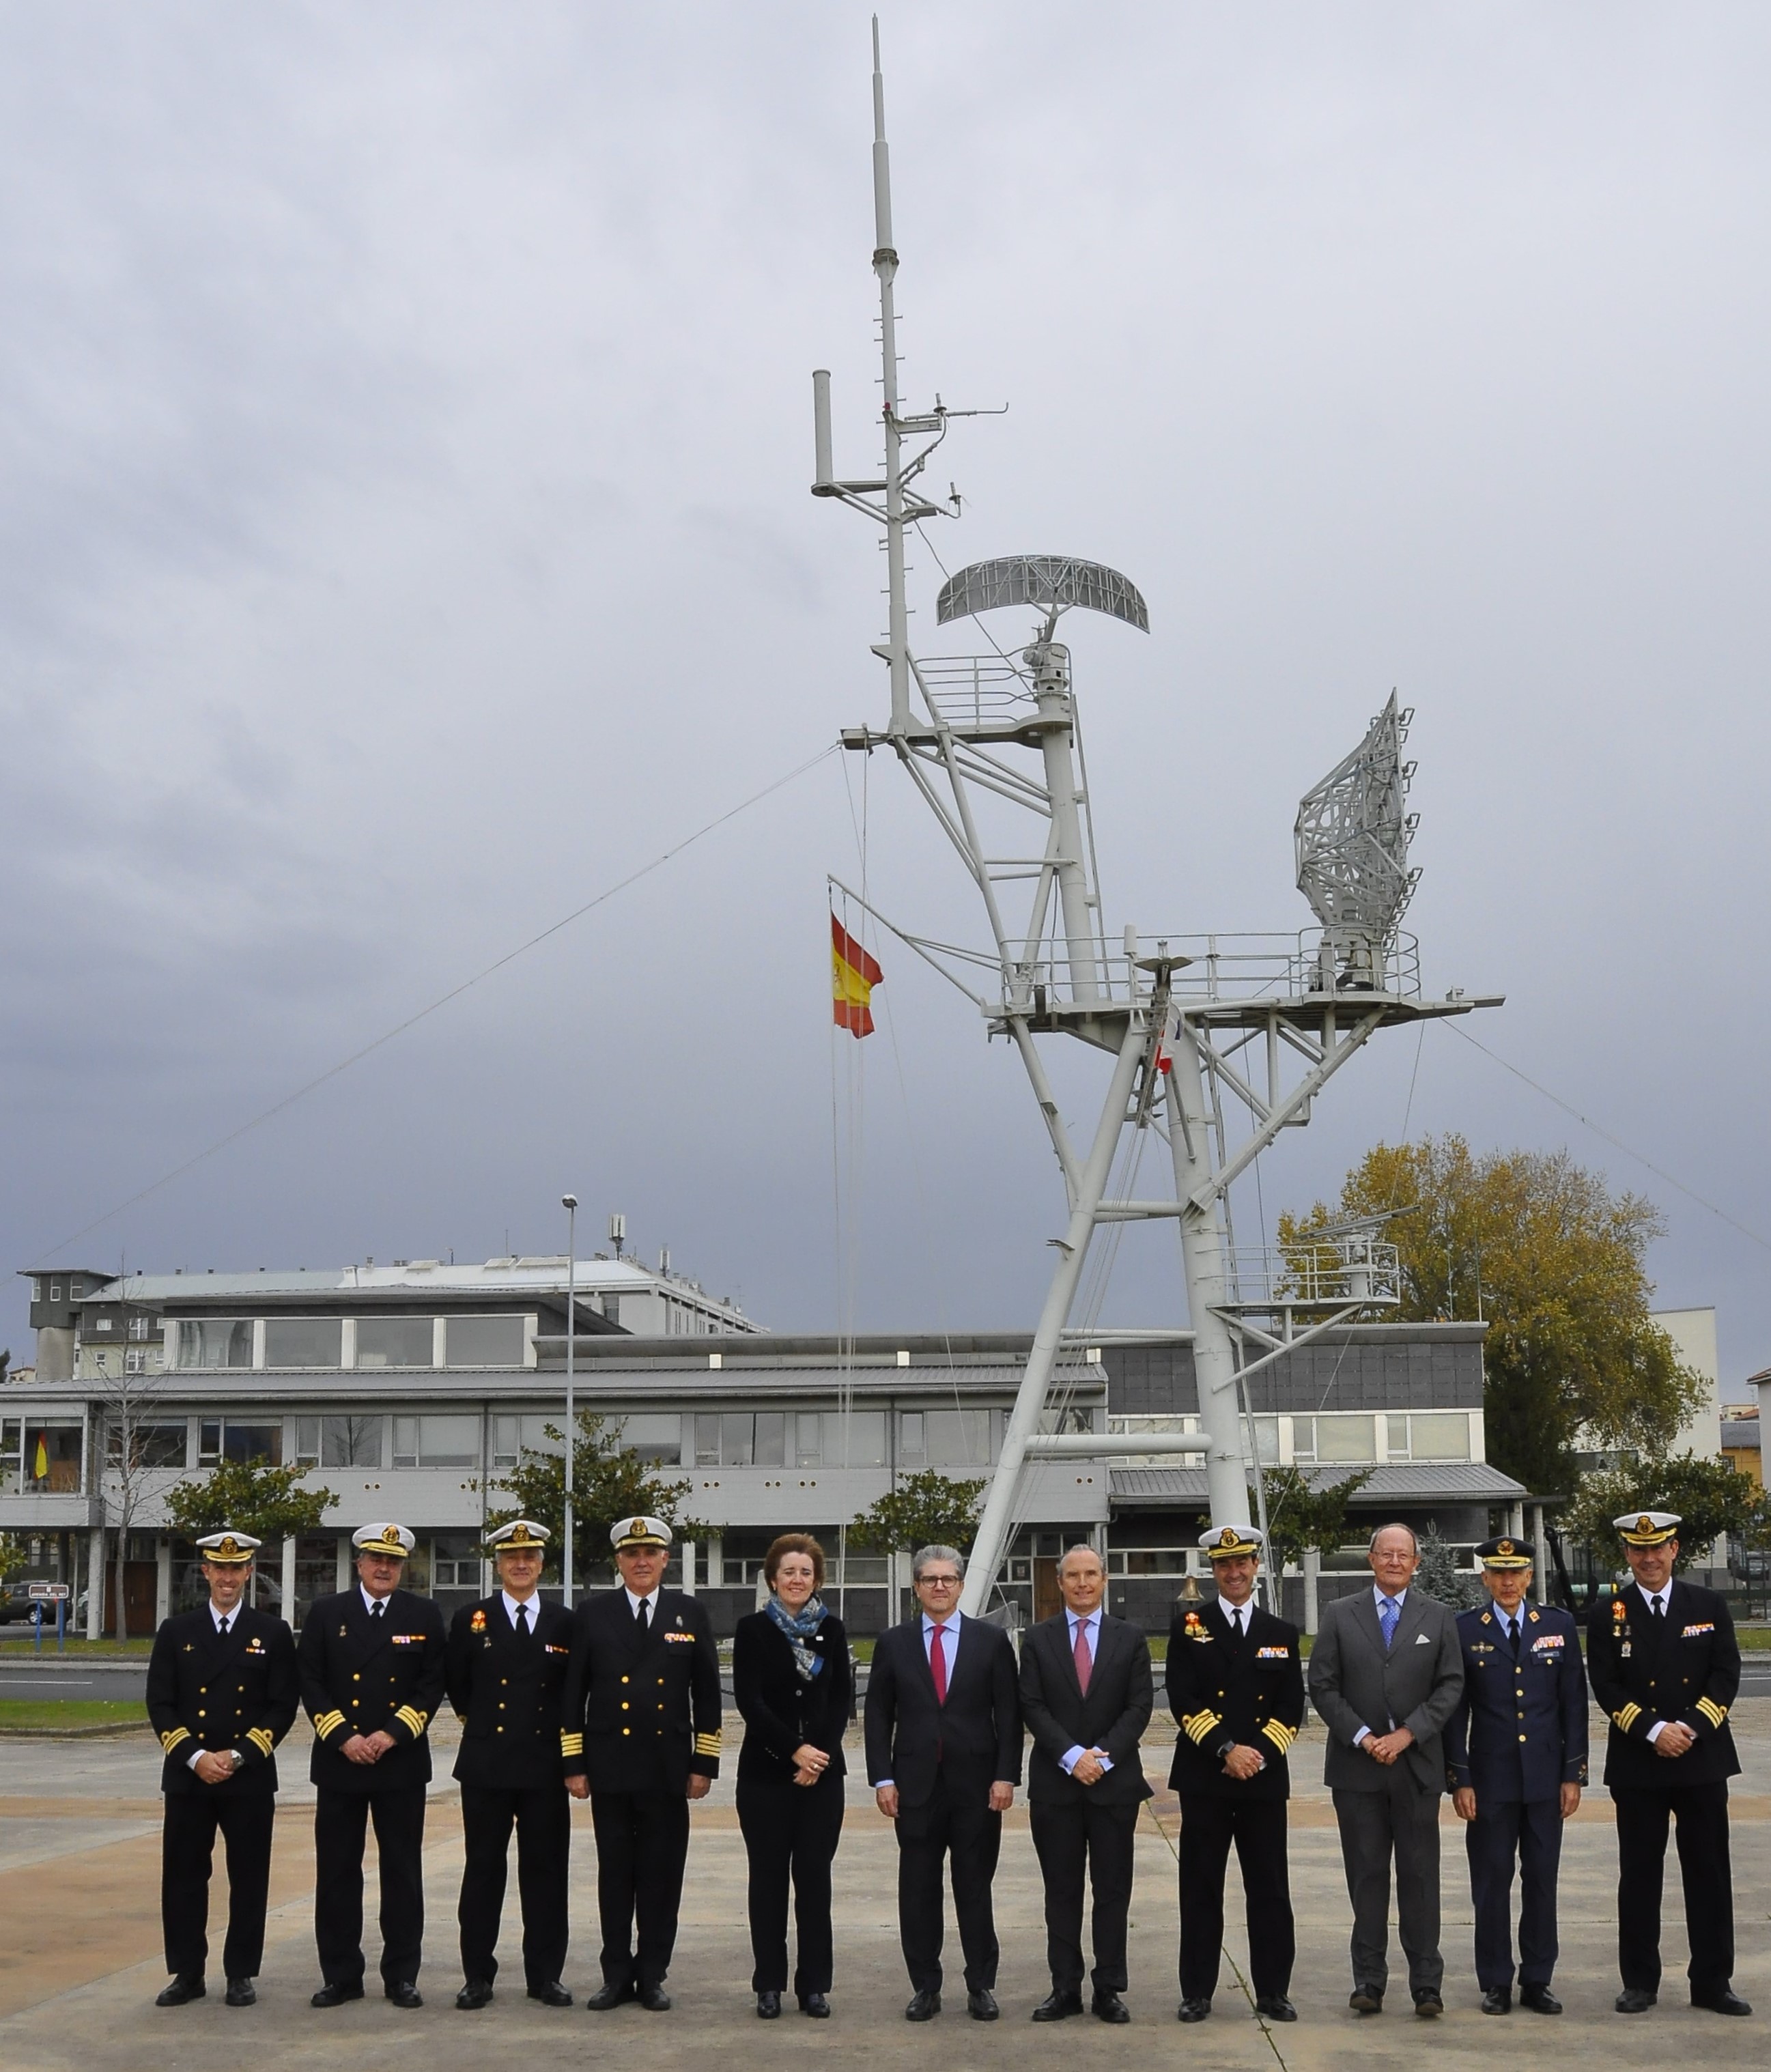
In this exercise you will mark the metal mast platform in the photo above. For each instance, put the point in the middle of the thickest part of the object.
(1218, 1042)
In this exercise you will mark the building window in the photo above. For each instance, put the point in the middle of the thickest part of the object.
(213, 1342)
(944, 1439)
(36, 1291)
(611, 1308)
(1437, 1435)
(513, 1435)
(395, 1341)
(653, 1437)
(456, 1563)
(55, 1291)
(304, 1341)
(139, 1327)
(437, 1440)
(99, 1324)
(340, 1442)
(1340, 1436)
(159, 1445)
(229, 1439)
(135, 1361)
(39, 1459)
(75, 1290)
(482, 1341)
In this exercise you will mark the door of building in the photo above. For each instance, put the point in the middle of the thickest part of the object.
(141, 1588)
(1048, 1599)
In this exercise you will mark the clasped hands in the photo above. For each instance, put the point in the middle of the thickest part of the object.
(366, 1749)
(1386, 1748)
(809, 1764)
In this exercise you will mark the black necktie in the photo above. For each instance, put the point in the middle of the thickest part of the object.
(1235, 1622)
(374, 1610)
(644, 1615)
(1659, 1608)
(523, 1620)
(223, 1629)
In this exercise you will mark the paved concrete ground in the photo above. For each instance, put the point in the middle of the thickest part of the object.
(79, 1959)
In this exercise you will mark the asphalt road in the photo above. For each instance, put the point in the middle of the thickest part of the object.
(98, 1680)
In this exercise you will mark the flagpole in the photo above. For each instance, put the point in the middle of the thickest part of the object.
(569, 1203)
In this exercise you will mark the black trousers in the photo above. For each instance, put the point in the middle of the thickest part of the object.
(543, 1820)
(341, 1822)
(187, 1845)
(962, 1828)
(1398, 1822)
(1077, 1841)
(1506, 1832)
(1209, 1823)
(790, 1833)
(1701, 1812)
(642, 1847)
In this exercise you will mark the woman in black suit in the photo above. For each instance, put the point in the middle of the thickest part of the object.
(793, 1685)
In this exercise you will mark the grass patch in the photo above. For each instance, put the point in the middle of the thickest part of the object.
(26, 1715)
(21, 1640)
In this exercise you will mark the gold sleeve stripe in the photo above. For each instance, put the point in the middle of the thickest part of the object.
(261, 1740)
(170, 1740)
(707, 1745)
(571, 1744)
(1196, 1725)
(1628, 1717)
(409, 1717)
(1711, 1711)
(328, 1722)
(1280, 1734)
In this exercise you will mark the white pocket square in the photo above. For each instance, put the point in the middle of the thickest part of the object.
(1421, 1640)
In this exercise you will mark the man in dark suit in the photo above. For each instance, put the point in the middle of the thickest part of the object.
(372, 1668)
(1386, 1674)
(639, 1731)
(944, 1757)
(1086, 1694)
(1235, 1687)
(220, 1696)
(506, 1673)
(1666, 1666)
(1516, 1758)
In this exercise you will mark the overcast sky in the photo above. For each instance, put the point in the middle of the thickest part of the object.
(406, 434)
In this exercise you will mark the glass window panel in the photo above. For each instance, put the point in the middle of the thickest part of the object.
(862, 1441)
(737, 1438)
(207, 1341)
(253, 1442)
(808, 1446)
(654, 1437)
(12, 1452)
(351, 1442)
(507, 1441)
(912, 1440)
(1347, 1438)
(1396, 1438)
(307, 1440)
(707, 1439)
(960, 1439)
(483, 1341)
(209, 1440)
(1442, 1435)
(455, 1562)
(1266, 1441)
(395, 1342)
(150, 1445)
(448, 1442)
(405, 1442)
(304, 1341)
(771, 1439)
(1303, 1438)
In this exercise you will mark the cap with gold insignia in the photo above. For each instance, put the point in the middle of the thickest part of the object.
(522, 1536)
(1224, 1542)
(640, 1532)
(1505, 1553)
(1648, 1528)
(393, 1539)
(226, 1548)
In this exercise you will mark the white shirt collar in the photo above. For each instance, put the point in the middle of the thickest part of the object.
(1245, 1610)
(633, 1603)
(217, 1616)
(371, 1602)
(949, 1624)
(531, 1606)
(1662, 1593)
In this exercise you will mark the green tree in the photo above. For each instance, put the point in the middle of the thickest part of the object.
(610, 1481)
(1300, 1519)
(1555, 1262)
(1709, 1498)
(251, 1496)
(927, 1510)
(1441, 1578)
(12, 1554)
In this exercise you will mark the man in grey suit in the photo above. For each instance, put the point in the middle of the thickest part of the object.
(1386, 1674)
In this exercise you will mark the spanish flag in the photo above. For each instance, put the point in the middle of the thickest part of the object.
(853, 975)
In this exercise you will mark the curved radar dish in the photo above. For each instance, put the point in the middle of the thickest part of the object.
(1352, 835)
(1051, 582)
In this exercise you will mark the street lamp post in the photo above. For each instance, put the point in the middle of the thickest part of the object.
(569, 1203)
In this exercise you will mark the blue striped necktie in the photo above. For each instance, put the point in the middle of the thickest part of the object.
(1389, 1611)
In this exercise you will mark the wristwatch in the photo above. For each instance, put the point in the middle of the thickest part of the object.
(239, 1761)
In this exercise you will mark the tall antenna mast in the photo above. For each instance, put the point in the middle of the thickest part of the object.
(992, 741)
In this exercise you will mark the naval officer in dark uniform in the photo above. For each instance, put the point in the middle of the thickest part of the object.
(1666, 1666)
(1235, 1686)
(1516, 1760)
(220, 1695)
(371, 1668)
(506, 1673)
(640, 1736)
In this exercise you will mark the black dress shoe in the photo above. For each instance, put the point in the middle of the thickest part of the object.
(616, 1993)
(552, 1994)
(1366, 2000)
(476, 1993)
(1109, 2007)
(653, 1998)
(982, 2005)
(241, 1992)
(185, 1987)
(768, 2006)
(1635, 1999)
(923, 2007)
(1539, 1999)
(1276, 2007)
(816, 2006)
(1054, 2006)
(1193, 2010)
(1725, 2002)
(1497, 2000)
(338, 1992)
(404, 1994)
(1428, 2006)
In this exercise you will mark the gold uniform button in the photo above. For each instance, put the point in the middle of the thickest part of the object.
(356, 1675)
(624, 1704)
(201, 1714)
(626, 1730)
(1521, 1737)
(623, 1680)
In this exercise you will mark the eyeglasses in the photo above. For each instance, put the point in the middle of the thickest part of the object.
(939, 1582)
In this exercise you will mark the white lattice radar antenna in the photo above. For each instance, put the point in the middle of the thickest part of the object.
(1217, 1042)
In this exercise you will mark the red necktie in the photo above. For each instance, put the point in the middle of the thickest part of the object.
(938, 1663)
(1084, 1662)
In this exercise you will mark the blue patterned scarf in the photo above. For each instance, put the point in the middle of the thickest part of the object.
(798, 1627)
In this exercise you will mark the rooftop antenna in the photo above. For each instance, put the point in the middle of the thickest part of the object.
(990, 740)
